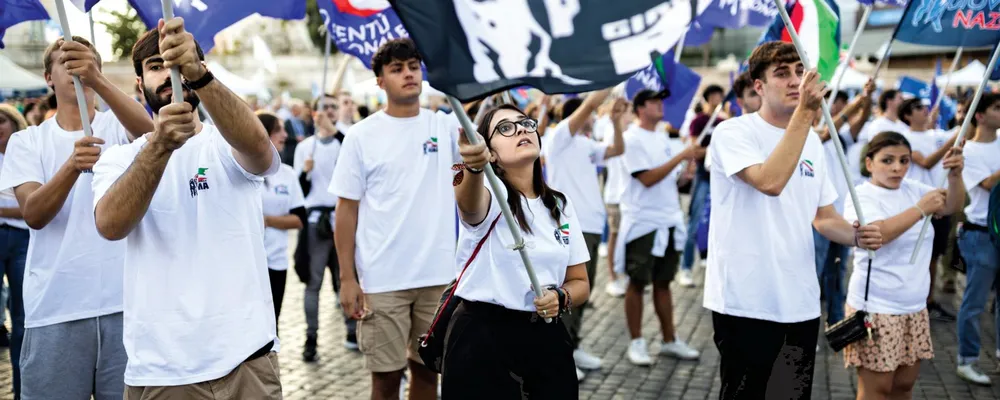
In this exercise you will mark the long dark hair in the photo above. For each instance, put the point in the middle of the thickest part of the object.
(879, 142)
(552, 199)
(270, 122)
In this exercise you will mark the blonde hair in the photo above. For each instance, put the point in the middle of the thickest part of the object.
(11, 112)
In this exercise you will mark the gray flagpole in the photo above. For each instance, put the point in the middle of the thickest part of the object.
(885, 57)
(947, 82)
(958, 139)
(847, 59)
(81, 100)
(680, 47)
(515, 232)
(826, 114)
(711, 120)
(175, 72)
(93, 41)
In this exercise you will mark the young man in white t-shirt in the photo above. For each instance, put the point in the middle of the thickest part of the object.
(651, 215)
(888, 120)
(571, 167)
(770, 187)
(981, 174)
(395, 223)
(72, 287)
(198, 308)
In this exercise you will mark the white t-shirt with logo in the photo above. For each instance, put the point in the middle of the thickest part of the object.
(762, 264)
(981, 161)
(281, 193)
(571, 168)
(197, 292)
(897, 286)
(617, 174)
(400, 171)
(925, 142)
(657, 206)
(71, 272)
(497, 274)
(8, 200)
(324, 154)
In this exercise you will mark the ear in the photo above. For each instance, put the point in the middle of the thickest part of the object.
(758, 87)
(378, 81)
(48, 81)
(869, 163)
(142, 89)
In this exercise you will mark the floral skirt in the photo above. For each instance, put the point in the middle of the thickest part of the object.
(898, 340)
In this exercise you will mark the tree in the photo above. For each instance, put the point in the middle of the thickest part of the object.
(125, 29)
(314, 23)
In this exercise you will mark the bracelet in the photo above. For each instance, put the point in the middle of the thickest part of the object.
(922, 213)
(474, 170)
(562, 299)
(569, 301)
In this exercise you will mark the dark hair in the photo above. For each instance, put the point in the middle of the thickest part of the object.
(985, 103)
(841, 96)
(270, 121)
(51, 102)
(710, 90)
(883, 99)
(768, 54)
(148, 45)
(742, 82)
(315, 102)
(552, 199)
(879, 142)
(47, 57)
(363, 111)
(402, 49)
(570, 106)
(907, 107)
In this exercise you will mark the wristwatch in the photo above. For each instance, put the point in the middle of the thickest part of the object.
(203, 81)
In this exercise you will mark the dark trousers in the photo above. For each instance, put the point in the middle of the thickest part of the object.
(495, 353)
(13, 253)
(765, 359)
(278, 279)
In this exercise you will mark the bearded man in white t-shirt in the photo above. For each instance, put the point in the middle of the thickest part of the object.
(72, 287)
(395, 227)
(198, 308)
(770, 187)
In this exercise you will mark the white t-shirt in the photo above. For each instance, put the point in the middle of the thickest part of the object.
(854, 161)
(657, 206)
(497, 274)
(762, 264)
(324, 154)
(981, 161)
(344, 127)
(879, 125)
(571, 168)
(925, 142)
(8, 200)
(836, 171)
(897, 286)
(71, 272)
(197, 294)
(400, 170)
(281, 193)
(617, 175)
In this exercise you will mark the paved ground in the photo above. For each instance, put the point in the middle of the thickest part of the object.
(340, 375)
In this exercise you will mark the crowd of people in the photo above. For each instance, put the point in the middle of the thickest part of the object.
(149, 260)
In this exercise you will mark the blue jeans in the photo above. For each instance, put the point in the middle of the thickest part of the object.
(698, 194)
(981, 262)
(13, 251)
(831, 268)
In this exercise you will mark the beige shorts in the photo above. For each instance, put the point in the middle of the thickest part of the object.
(393, 323)
(259, 378)
(614, 218)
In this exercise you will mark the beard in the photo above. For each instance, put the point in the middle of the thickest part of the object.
(156, 101)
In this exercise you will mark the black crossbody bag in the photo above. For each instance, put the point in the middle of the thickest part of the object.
(855, 327)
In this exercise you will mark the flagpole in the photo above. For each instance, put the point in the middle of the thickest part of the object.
(498, 191)
(711, 120)
(90, 18)
(958, 139)
(326, 62)
(175, 72)
(947, 81)
(680, 47)
(850, 54)
(826, 115)
(81, 100)
(506, 97)
(885, 56)
(483, 105)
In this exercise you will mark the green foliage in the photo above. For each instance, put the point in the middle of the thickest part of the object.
(125, 29)
(314, 23)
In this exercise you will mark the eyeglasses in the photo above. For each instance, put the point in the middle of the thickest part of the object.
(330, 107)
(509, 128)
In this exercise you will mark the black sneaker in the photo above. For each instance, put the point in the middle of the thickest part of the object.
(309, 354)
(939, 313)
(351, 342)
(4, 337)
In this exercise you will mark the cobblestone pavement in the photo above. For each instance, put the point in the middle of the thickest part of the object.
(340, 373)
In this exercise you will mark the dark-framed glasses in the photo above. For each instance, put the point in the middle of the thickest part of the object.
(509, 128)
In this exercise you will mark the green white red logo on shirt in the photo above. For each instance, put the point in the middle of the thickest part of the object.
(562, 234)
(199, 182)
(806, 168)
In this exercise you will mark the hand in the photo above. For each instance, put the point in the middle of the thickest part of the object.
(699, 152)
(545, 100)
(812, 91)
(174, 126)
(618, 110)
(473, 155)
(86, 153)
(80, 61)
(307, 167)
(177, 47)
(547, 306)
(824, 132)
(868, 237)
(323, 122)
(352, 299)
(933, 201)
(267, 221)
(954, 162)
(869, 88)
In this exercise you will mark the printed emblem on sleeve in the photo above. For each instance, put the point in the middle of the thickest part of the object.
(199, 182)
(281, 189)
(806, 168)
(562, 234)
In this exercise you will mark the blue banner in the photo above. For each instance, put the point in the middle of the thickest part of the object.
(13, 12)
(897, 3)
(359, 32)
(995, 76)
(914, 87)
(678, 78)
(951, 23)
(920, 89)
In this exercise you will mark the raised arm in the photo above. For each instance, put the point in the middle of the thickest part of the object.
(954, 162)
(653, 176)
(589, 105)
(617, 146)
(471, 195)
(40, 203)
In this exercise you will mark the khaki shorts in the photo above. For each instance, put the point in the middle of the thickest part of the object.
(614, 218)
(255, 379)
(643, 267)
(393, 323)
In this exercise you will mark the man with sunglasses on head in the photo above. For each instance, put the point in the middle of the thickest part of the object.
(395, 225)
(315, 159)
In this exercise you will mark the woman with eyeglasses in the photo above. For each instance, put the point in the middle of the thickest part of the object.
(498, 343)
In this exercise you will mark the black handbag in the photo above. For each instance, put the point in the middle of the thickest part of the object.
(432, 344)
(853, 328)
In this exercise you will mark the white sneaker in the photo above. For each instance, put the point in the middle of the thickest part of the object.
(402, 387)
(616, 288)
(602, 250)
(637, 352)
(969, 373)
(580, 375)
(686, 278)
(679, 349)
(585, 360)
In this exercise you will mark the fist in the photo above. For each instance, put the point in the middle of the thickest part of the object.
(954, 162)
(868, 237)
(933, 202)
(86, 153)
(178, 49)
(174, 126)
(812, 90)
(473, 155)
(307, 167)
(869, 88)
(618, 110)
(79, 61)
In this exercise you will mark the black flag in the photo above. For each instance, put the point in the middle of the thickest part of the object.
(476, 47)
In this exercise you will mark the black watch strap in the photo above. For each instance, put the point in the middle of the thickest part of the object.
(202, 82)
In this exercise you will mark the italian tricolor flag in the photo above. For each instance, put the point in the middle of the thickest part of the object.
(818, 25)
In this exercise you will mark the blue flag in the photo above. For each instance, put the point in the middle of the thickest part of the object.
(897, 3)
(729, 14)
(360, 32)
(13, 12)
(679, 79)
(995, 76)
(84, 5)
(204, 20)
(934, 86)
(734, 107)
(914, 87)
(950, 23)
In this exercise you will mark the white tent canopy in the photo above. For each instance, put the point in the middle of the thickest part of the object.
(238, 84)
(969, 75)
(853, 79)
(13, 77)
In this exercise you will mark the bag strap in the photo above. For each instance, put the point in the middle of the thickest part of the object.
(468, 262)
(868, 280)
